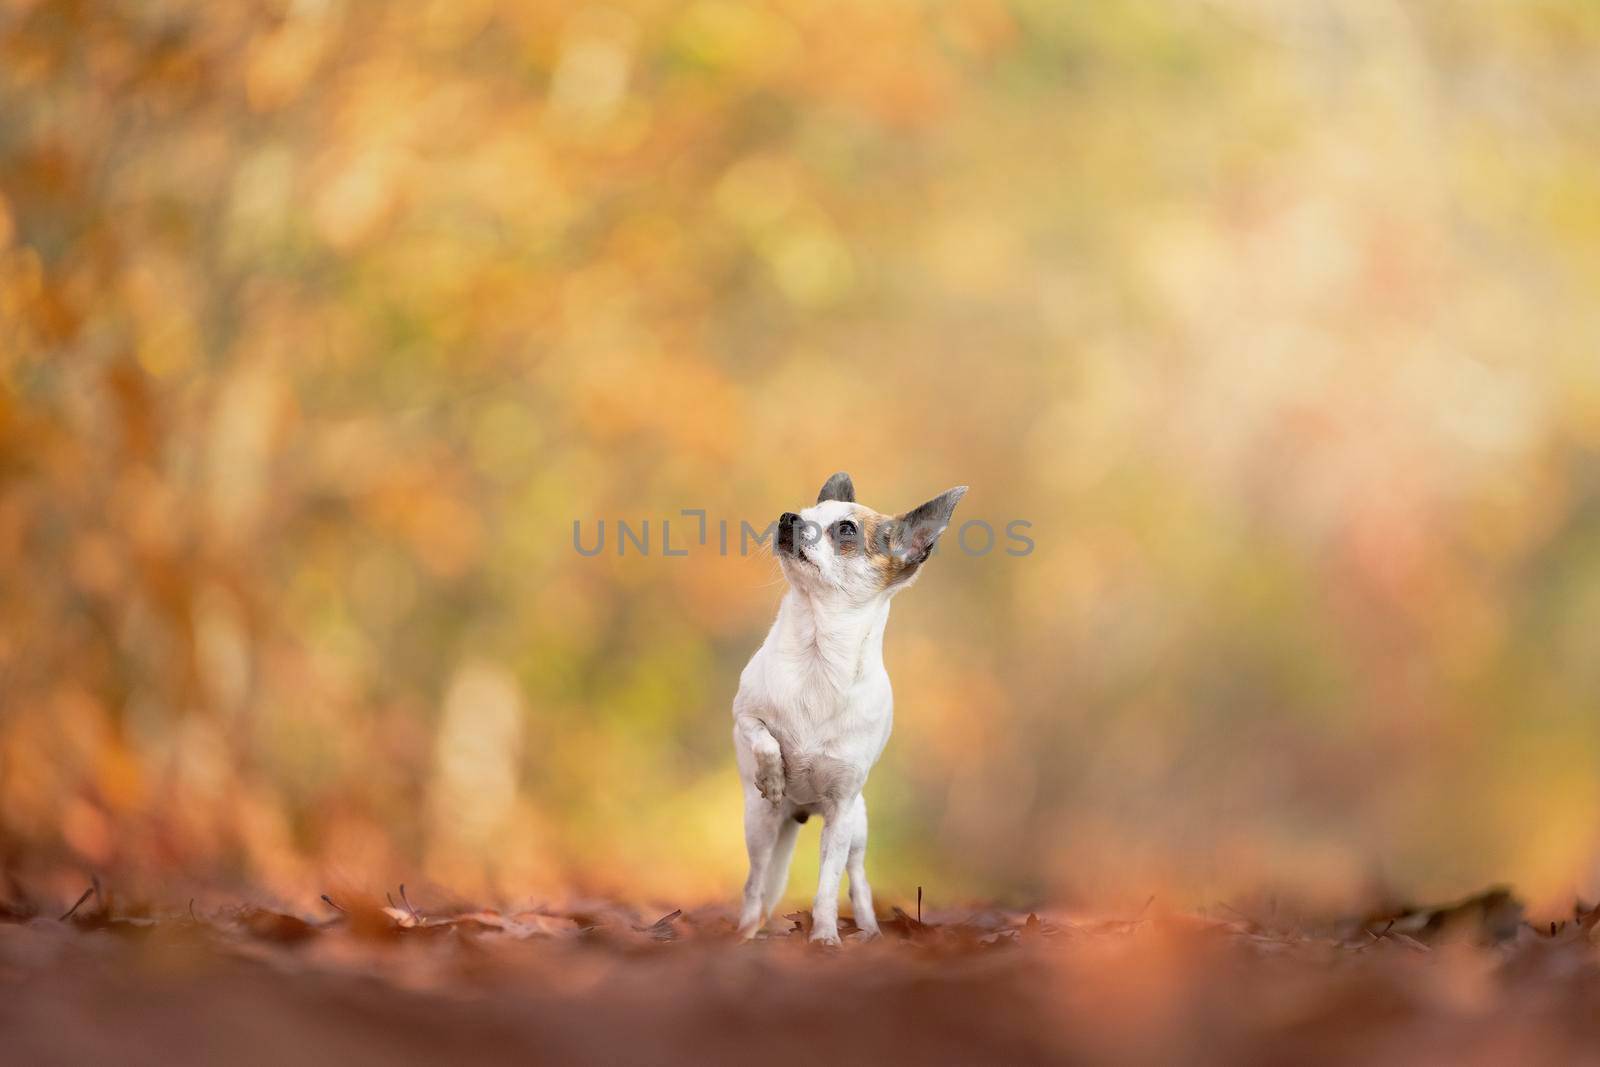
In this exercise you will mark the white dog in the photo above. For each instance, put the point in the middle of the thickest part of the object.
(814, 705)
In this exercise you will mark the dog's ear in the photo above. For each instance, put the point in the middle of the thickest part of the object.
(920, 527)
(839, 487)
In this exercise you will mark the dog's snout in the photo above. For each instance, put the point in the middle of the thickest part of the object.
(786, 527)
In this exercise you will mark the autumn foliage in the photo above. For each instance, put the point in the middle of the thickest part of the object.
(322, 322)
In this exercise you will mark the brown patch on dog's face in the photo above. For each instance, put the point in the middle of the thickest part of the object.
(873, 541)
(881, 536)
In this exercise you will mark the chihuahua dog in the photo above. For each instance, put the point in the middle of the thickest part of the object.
(814, 705)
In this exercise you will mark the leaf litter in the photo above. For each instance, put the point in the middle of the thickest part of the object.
(357, 980)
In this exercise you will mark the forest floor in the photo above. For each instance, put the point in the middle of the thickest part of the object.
(355, 983)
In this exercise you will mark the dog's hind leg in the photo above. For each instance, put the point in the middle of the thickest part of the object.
(762, 827)
(778, 866)
(856, 866)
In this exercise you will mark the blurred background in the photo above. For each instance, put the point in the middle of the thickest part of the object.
(323, 321)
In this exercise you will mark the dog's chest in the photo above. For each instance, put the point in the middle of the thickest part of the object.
(830, 737)
(819, 716)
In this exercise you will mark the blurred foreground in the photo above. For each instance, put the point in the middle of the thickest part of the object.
(604, 983)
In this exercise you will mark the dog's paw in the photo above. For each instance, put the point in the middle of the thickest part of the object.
(867, 933)
(769, 776)
(819, 936)
(770, 785)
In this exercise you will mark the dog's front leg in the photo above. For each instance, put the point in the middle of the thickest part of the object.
(768, 777)
(836, 833)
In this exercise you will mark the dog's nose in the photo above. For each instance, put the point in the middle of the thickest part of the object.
(788, 522)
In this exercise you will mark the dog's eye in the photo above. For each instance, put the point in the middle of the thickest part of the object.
(847, 528)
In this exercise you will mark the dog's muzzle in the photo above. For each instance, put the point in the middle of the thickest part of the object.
(788, 523)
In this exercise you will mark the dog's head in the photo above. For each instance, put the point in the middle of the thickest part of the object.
(842, 548)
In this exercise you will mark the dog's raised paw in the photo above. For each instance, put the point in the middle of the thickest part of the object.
(769, 782)
(769, 775)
